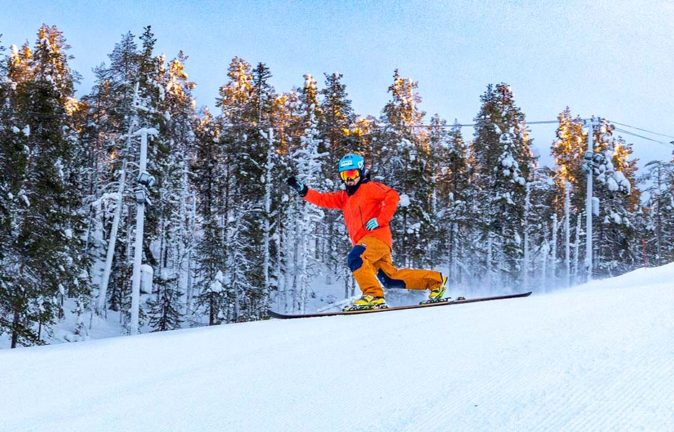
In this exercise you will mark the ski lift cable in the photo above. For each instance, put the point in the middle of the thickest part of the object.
(643, 137)
(543, 122)
(461, 125)
(233, 125)
(641, 129)
(454, 125)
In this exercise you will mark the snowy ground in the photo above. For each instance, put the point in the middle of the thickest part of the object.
(599, 357)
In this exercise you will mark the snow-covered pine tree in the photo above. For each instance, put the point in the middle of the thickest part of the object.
(616, 243)
(292, 116)
(234, 102)
(285, 120)
(46, 244)
(174, 151)
(152, 94)
(246, 102)
(307, 218)
(262, 95)
(437, 135)
(286, 123)
(272, 207)
(266, 147)
(309, 106)
(655, 220)
(112, 120)
(14, 154)
(568, 150)
(335, 116)
(210, 250)
(503, 165)
(451, 192)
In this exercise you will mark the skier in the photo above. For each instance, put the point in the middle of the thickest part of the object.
(368, 206)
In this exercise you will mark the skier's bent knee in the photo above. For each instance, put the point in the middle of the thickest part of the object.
(355, 258)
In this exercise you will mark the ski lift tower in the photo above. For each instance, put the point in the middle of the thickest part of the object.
(145, 181)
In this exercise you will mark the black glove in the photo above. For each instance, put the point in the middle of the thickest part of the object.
(300, 187)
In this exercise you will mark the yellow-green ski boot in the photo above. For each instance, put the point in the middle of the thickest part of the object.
(437, 294)
(367, 302)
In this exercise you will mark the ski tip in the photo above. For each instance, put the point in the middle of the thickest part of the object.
(274, 314)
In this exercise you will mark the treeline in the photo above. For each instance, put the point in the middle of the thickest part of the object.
(224, 238)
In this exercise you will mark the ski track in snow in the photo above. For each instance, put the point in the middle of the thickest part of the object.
(594, 358)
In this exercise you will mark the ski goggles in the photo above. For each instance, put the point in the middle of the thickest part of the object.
(351, 174)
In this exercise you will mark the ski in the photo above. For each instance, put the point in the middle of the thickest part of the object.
(445, 302)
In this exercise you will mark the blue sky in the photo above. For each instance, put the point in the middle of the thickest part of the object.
(613, 59)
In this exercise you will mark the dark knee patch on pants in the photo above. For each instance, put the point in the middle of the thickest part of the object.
(388, 282)
(355, 258)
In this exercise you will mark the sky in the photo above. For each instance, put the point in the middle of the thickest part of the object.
(607, 58)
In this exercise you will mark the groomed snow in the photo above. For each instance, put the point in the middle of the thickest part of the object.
(598, 357)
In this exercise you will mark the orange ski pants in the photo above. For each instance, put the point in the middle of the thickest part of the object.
(371, 265)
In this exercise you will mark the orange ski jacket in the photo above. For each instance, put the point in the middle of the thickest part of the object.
(371, 200)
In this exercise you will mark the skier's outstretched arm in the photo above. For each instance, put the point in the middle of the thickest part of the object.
(331, 200)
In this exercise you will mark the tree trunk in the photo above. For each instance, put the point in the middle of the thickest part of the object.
(15, 327)
(212, 312)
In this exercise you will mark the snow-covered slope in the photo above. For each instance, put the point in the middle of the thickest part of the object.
(599, 357)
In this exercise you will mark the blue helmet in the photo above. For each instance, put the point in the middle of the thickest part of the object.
(352, 161)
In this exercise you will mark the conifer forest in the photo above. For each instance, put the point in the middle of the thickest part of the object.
(225, 239)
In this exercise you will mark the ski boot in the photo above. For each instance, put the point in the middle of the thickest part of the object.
(366, 302)
(436, 295)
